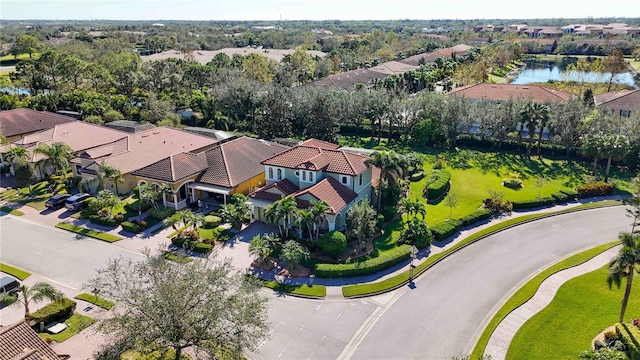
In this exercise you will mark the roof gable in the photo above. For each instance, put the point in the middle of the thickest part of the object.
(23, 121)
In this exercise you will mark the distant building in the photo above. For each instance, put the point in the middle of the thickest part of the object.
(17, 123)
(621, 103)
(129, 126)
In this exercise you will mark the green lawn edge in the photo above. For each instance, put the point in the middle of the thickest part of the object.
(15, 272)
(88, 232)
(8, 210)
(310, 291)
(75, 324)
(95, 300)
(526, 292)
(362, 290)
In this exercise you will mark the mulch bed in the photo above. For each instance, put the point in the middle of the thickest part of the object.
(297, 271)
(265, 265)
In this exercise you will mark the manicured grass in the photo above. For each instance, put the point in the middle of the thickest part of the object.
(75, 324)
(87, 232)
(16, 273)
(8, 210)
(402, 278)
(582, 308)
(40, 193)
(95, 300)
(176, 258)
(529, 289)
(19, 57)
(319, 291)
(218, 233)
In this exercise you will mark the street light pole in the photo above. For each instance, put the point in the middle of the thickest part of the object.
(413, 253)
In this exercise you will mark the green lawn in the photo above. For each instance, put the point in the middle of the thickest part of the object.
(180, 259)
(474, 173)
(17, 273)
(304, 290)
(75, 324)
(95, 300)
(8, 210)
(87, 232)
(529, 289)
(19, 57)
(40, 193)
(581, 309)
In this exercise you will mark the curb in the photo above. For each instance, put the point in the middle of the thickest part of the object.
(453, 251)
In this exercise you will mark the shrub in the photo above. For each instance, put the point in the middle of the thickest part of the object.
(162, 212)
(118, 218)
(599, 188)
(630, 337)
(55, 311)
(512, 183)
(211, 221)
(202, 247)
(571, 194)
(527, 204)
(380, 221)
(365, 267)
(416, 232)
(560, 197)
(100, 220)
(389, 213)
(417, 176)
(439, 164)
(131, 227)
(137, 206)
(478, 215)
(438, 184)
(333, 243)
(445, 229)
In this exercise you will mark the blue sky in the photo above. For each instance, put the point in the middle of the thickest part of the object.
(312, 9)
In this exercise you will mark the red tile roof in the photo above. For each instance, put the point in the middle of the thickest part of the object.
(24, 121)
(308, 156)
(500, 92)
(175, 167)
(328, 189)
(77, 134)
(627, 99)
(319, 144)
(19, 341)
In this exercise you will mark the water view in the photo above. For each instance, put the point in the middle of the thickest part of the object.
(541, 72)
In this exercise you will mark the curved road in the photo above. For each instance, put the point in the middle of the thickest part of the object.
(440, 318)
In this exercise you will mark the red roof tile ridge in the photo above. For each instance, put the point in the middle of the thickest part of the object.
(346, 157)
(226, 165)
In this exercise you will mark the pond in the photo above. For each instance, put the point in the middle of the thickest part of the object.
(537, 72)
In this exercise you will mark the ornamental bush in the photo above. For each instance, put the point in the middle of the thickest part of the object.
(162, 212)
(512, 183)
(417, 176)
(211, 221)
(416, 232)
(100, 220)
(59, 310)
(333, 243)
(365, 267)
(438, 184)
(478, 215)
(599, 188)
(445, 229)
(528, 204)
(131, 227)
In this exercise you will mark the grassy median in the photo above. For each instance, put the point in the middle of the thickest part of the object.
(16, 273)
(88, 232)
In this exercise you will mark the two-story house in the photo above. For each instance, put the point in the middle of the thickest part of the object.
(315, 171)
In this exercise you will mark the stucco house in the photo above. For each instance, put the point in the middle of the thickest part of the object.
(620, 103)
(315, 170)
(227, 168)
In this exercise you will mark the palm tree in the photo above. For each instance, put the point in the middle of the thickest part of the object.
(293, 252)
(288, 209)
(39, 292)
(615, 147)
(219, 122)
(535, 115)
(108, 172)
(319, 210)
(624, 265)
(273, 215)
(542, 113)
(304, 219)
(390, 170)
(260, 248)
(413, 208)
(57, 156)
(16, 155)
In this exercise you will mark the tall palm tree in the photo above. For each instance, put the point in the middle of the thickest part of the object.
(288, 209)
(542, 114)
(534, 114)
(304, 220)
(57, 156)
(319, 210)
(390, 170)
(111, 173)
(624, 265)
(413, 208)
(272, 214)
(37, 293)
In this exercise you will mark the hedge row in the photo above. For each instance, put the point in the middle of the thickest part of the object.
(527, 204)
(55, 311)
(599, 188)
(366, 267)
(629, 334)
(131, 227)
(100, 220)
(197, 246)
(449, 227)
(439, 185)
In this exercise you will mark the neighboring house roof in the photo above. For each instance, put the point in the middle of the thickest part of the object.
(129, 126)
(147, 147)
(236, 161)
(315, 155)
(24, 121)
(336, 195)
(20, 342)
(227, 164)
(500, 92)
(626, 99)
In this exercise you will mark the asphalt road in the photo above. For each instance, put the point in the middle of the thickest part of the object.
(440, 318)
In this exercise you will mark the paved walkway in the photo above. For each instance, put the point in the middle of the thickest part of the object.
(501, 338)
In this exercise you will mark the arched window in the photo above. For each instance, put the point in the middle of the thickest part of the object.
(270, 173)
(344, 179)
(279, 174)
(360, 180)
(310, 176)
(304, 176)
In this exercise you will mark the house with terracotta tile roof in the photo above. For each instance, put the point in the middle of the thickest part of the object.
(315, 170)
(20, 342)
(139, 150)
(621, 103)
(16, 123)
(227, 168)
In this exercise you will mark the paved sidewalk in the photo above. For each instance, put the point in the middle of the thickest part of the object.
(501, 338)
